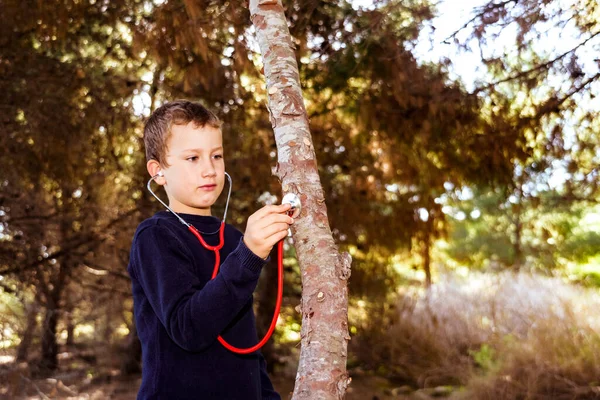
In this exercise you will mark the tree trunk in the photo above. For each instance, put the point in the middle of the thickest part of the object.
(132, 355)
(517, 210)
(108, 322)
(70, 330)
(68, 316)
(322, 367)
(27, 335)
(427, 249)
(517, 246)
(54, 288)
(267, 296)
(49, 361)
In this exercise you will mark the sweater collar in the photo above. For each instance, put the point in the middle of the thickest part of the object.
(202, 222)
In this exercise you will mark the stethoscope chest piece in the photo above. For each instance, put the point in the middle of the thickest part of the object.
(294, 201)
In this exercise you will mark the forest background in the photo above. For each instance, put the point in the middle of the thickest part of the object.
(459, 155)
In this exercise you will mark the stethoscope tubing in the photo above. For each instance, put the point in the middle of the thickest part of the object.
(184, 222)
(216, 249)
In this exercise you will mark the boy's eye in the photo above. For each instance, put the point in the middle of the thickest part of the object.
(192, 158)
(218, 156)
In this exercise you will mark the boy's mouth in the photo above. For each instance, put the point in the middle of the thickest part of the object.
(208, 187)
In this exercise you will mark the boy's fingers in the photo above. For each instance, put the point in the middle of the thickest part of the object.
(276, 236)
(273, 220)
(272, 209)
(273, 229)
(269, 219)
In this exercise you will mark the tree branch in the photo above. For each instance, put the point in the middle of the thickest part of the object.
(487, 8)
(85, 239)
(100, 268)
(536, 68)
(104, 289)
(29, 217)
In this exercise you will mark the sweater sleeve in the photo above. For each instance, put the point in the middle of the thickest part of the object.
(192, 315)
(268, 392)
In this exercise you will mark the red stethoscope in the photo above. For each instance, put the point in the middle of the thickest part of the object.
(290, 198)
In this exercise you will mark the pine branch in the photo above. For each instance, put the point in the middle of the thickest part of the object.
(539, 67)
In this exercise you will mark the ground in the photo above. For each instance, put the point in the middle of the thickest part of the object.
(364, 388)
(75, 385)
(83, 374)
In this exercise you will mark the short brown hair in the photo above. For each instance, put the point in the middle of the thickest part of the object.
(180, 112)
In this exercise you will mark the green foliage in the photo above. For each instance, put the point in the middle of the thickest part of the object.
(587, 274)
(552, 232)
(12, 315)
(485, 357)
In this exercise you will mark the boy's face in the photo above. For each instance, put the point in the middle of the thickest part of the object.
(196, 173)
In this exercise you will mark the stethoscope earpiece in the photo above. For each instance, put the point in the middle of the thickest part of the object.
(158, 175)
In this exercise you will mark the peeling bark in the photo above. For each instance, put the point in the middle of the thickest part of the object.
(325, 272)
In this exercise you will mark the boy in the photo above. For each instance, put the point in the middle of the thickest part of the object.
(179, 310)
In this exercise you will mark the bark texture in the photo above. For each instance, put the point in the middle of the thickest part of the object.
(325, 272)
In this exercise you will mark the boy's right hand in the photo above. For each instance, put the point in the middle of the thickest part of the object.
(266, 227)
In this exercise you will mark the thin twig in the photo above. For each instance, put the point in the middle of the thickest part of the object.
(537, 67)
(484, 9)
(42, 395)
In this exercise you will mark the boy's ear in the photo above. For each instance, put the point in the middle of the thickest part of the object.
(155, 171)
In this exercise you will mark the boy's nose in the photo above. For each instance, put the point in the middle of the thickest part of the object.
(208, 170)
(209, 173)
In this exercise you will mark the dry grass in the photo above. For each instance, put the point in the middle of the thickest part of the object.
(507, 336)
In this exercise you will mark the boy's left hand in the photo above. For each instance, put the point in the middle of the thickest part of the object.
(266, 227)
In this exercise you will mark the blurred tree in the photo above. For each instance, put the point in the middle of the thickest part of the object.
(557, 83)
(65, 181)
(402, 130)
(544, 79)
(482, 234)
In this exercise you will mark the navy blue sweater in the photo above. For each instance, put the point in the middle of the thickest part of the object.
(180, 311)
